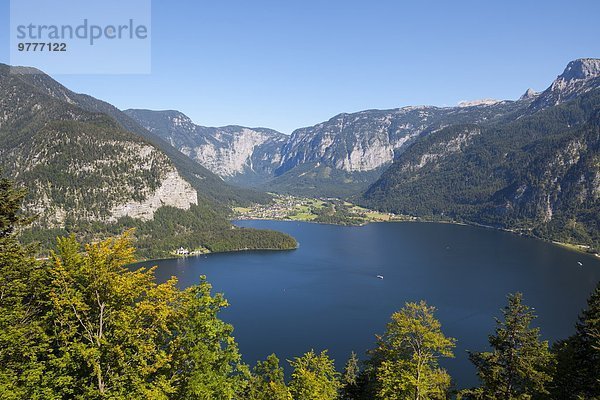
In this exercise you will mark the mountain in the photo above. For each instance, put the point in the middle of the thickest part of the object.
(580, 76)
(344, 155)
(536, 171)
(58, 149)
(89, 172)
(206, 182)
(340, 157)
(241, 155)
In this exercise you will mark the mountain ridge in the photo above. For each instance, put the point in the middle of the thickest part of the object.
(356, 147)
(537, 173)
(86, 174)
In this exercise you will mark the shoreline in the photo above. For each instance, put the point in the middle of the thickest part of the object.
(578, 248)
(181, 257)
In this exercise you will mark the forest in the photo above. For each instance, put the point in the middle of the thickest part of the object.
(171, 228)
(81, 325)
(534, 174)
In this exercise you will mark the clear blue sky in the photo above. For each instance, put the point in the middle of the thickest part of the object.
(288, 64)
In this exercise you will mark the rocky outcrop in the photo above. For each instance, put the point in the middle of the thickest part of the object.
(349, 149)
(476, 103)
(529, 94)
(174, 191)
(79, 165)
(580, 76)
(230, 151)
(443, 149)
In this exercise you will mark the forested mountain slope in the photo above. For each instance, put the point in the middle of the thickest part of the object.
(207, 183)
(538, 173)
(85, 173)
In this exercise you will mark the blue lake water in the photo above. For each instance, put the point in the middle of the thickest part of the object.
(326, 294)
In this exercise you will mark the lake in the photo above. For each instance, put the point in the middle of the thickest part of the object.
(326, 294)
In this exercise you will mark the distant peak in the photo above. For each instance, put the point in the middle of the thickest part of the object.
(529, 94)
(583, 68)
(481, 102)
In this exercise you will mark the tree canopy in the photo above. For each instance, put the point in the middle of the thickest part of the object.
(407, 354)
(520, 364)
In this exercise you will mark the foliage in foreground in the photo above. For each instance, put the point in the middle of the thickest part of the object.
(98, 330)
(578, 357)
(405, 363)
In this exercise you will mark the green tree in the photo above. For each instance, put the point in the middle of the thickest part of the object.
(405, 362)
(350, 378)
(577, 372)
(10, 203)
(314, 377)
(84, 326)
(111, 323)
(519, 365)
(206, 361)
(267, 381)
(23, 340)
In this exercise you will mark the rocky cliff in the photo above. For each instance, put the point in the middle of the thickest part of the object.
(237, 154)
(79, 165)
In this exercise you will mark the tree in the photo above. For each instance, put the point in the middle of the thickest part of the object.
(350, 378)
(10, 203)
(85, 326)
(314, 377)
(206, 361)
(577, 372)
(111, 324)
(267, 381)
(519, 365)
(406, 359)
(23, 339)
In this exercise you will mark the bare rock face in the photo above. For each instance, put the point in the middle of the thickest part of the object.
(346, 148)
(173, 191)
(89, 173)
(583, 68)
(580, 76)
(359, 142)
(443, 149)
(230, 151)
(475, 103)
(369, 140)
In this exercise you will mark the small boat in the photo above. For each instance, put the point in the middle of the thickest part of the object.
(580, 264)
(380, 276)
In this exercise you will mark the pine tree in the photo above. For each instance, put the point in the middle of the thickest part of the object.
(10, 203)
(519, 365)
(350, 378)
(24, 345)
(578, 357)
